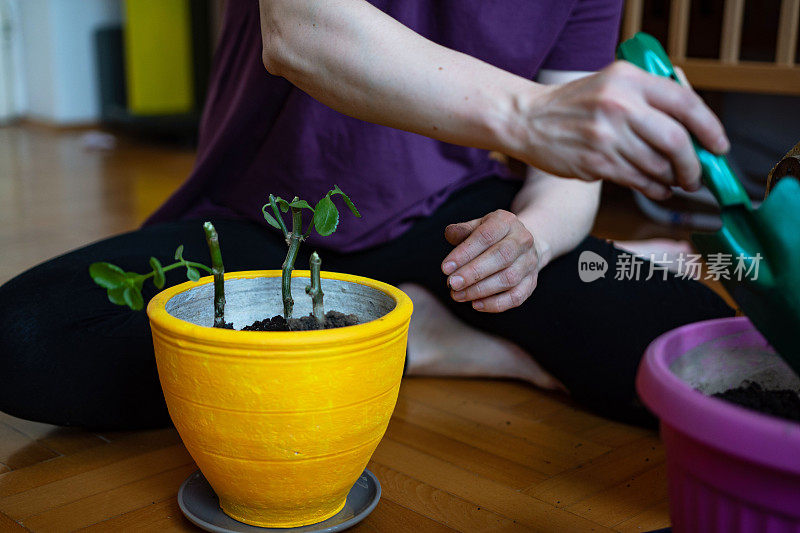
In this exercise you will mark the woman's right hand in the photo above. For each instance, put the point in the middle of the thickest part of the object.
(621, 125)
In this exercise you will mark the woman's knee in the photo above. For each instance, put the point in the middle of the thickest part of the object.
(22, 319)
(69, 357)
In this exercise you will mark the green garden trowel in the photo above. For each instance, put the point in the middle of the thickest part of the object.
(760, 247)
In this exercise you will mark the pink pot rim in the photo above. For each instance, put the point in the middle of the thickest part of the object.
(756, 437)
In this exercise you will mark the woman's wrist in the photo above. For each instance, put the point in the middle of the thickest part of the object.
(509, 120)
(543, 240)
(558, 212)
(544, 251)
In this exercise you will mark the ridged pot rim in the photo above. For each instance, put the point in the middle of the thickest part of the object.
(172, 325)
(741, 432)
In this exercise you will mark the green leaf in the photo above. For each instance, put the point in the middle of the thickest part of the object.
(133, 297)
(107, 275)
(283, 204)
(350, 204)
(192, 273)
(326, 217)
(269, 218)
(159, 279)
(115, 295)
(179, 253)
(300, 204)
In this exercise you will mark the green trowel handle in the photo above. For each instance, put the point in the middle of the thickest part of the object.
(645, 52)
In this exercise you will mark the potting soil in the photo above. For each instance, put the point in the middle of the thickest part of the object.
(333, 319)
(783, 403)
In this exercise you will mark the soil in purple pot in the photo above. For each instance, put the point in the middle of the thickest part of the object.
(333, 319)
(783, 403)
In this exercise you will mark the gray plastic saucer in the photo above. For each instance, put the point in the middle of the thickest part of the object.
(200, 504)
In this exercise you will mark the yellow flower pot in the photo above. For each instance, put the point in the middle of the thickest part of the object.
(280, 423)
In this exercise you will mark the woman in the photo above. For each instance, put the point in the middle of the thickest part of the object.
(399, 102)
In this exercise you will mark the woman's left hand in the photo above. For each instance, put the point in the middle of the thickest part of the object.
(494, 263)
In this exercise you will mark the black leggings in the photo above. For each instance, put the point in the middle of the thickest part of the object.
(70, 357)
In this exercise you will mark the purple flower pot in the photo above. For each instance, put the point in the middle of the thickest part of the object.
(729, 468)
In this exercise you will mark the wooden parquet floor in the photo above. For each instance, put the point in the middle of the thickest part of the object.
(465, 455)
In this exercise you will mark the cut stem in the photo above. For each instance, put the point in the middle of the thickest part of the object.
(278, 217)
(315, 290)
(295, 238)
(218, 270)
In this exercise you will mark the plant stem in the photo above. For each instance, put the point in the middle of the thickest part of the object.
(188, 263)
(173, 266)
(218, 270)
(295, 238)
(278, 217)
(315, 290)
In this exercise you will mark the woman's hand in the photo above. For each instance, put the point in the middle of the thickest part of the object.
(622, 125)
(494, 264)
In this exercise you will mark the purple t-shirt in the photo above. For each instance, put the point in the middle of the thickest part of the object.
(260, 134)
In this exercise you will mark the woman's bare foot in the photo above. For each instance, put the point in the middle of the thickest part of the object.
(439, 344)
(658, 250)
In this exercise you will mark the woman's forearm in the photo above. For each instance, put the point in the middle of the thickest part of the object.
(361, 62)
(621, 124)
(559, 213)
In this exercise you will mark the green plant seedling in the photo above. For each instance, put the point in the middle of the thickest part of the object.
(324, 219)
(218, 270)
(315, 289)
(125, 288)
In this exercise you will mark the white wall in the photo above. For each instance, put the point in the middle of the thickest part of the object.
(57, 69)
(12, 91)
(37, 73)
